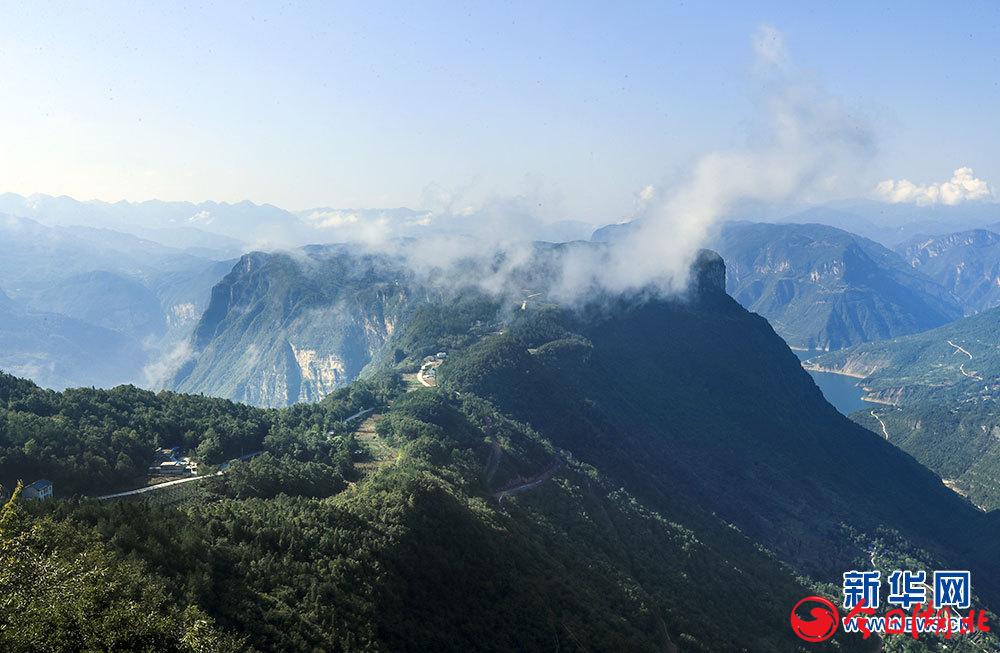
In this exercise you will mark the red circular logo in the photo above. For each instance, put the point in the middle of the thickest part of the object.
(821, 623)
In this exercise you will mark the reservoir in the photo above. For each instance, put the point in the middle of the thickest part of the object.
(839, 390)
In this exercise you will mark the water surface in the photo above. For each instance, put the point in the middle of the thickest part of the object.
(841, 391)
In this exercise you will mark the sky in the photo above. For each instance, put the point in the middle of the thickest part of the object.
(579, 105)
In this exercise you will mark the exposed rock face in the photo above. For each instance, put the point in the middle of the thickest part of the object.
(283, 328)
(824, 288)
(323, 371)
(967, 263)
(709, 271)
(181, 314)
(289, 327)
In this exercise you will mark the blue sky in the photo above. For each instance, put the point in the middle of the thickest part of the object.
(370, 104)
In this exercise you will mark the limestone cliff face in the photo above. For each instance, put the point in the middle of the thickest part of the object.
(284, 328)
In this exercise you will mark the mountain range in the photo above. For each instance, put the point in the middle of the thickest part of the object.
(608, 473)
(822, 287)
(967, 263)
(103, 295)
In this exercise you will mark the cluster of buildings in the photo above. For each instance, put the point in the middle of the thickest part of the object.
(166, 463)
(429, 369)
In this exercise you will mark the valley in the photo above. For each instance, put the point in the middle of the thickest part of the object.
(655, 327)
(841, 390)
(536, 413)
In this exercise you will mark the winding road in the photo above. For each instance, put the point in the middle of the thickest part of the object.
(961, 368)
(531, 483)
(885, 432)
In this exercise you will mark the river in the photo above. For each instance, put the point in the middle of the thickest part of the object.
(841, 391)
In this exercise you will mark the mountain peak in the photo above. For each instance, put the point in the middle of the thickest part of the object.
(709, 271)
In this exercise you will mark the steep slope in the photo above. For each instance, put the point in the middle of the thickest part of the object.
(609, 477)
(59, 351)
(283, 328)
(150, 293)
(107, 300)
(823, 288)
(654, 395)
(967, 263)
(937, 396)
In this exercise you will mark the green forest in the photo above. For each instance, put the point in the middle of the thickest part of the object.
(575, 482)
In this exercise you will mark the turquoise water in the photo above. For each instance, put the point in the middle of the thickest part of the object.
(839, 390)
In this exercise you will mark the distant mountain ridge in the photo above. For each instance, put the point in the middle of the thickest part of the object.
(892, 224)
(822, 287)
(967, 263)
(111, 286)
(60, 351)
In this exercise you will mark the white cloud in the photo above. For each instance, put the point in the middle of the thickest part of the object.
(201, 217)
(962, 187)
(325, 219)
(802, 143)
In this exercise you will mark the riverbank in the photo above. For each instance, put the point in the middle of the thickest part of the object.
(813, 367)
(842, 390)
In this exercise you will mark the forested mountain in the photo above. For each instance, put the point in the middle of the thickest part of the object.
(96, 306)
(936, 395)
(967, 263)
(288, 327)
(604, 476)
(59, 351)
(821, 287)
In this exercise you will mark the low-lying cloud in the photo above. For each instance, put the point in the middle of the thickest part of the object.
(803, 145)
(963, 186)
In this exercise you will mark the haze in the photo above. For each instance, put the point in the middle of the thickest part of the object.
(437, 107)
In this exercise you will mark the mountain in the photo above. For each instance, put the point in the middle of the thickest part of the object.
(894, 224)
(967, 263)
(612, 232)
(216, 227)
(149, 293)
(607, 476)
(59, 351)
(105, 299)
(935, 396)
(821, 287)
(288, 327)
